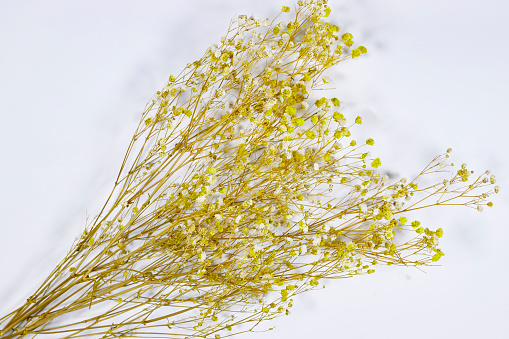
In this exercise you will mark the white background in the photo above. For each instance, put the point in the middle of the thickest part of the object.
(75, 75)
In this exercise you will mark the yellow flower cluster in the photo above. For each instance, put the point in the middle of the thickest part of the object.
(237, 193)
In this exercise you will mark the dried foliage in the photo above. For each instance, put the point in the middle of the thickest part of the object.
(238, 191)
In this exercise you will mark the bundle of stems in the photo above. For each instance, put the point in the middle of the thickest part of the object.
(240, 190)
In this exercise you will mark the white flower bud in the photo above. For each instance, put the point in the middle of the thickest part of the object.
(363, 208)
(303, 249)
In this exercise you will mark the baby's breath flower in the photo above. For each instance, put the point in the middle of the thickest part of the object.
(303, 249)
(316, 240)
(286, 91)
(253, 155)
(376, 163)
(286, 37)
(363, 208)
(267, 276)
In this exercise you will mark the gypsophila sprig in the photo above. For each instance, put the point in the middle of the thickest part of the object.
(237, 193)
